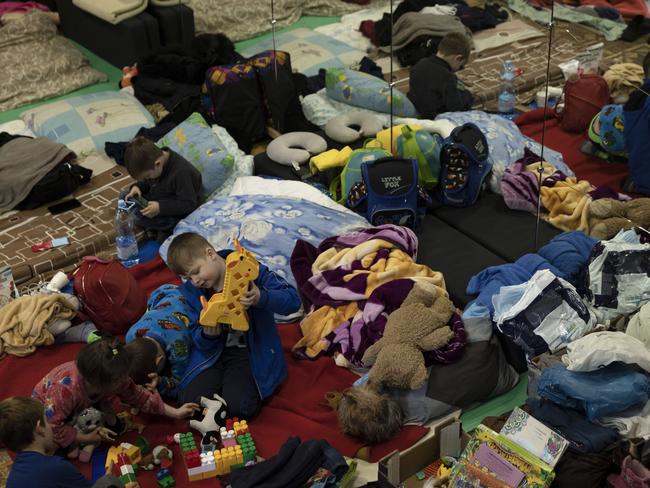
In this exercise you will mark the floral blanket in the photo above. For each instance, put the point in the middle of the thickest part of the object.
(38, 62)
(268, 226)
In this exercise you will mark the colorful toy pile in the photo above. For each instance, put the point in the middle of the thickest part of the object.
(238, 449)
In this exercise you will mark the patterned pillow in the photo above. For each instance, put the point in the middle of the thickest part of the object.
(87, 122)
(366, 91)
(194, 140)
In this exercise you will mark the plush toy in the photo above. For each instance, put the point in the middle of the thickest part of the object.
(418, 325)
(128, 73)
(215, 412)
(159, 457)
(608, 216)
(88, 420)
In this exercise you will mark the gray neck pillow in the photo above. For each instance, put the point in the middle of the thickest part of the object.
(295, 147)
(338, 128)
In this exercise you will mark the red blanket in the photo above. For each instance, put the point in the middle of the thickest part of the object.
(586, 167)
(296, 409)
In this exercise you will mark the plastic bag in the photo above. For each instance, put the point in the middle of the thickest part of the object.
(619, 276)
(545, 313)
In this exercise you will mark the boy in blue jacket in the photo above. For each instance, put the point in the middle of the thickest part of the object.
(244, 368)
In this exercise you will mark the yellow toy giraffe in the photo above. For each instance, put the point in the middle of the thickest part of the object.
(224, 307)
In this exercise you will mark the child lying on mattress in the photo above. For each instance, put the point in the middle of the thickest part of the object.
(161, 341)
(243, 368)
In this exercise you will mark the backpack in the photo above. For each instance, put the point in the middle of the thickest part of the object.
(465, 165)
(110, 295)
(584, 96)
(243, 97)
(389, 193)
(424, 147)
(341, 185)
(59, 182)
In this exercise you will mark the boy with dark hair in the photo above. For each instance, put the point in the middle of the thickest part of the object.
(169, 183)
(24, 430)
(161, 342)
(433, 86)
(244, 368)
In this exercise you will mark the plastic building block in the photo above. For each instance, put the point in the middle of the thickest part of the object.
(225, 307)
(126, 472)
(192, 459)
(143, 444)
(165, 479)
(240, 427)
(248, 448)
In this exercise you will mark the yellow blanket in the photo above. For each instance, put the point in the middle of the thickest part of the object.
(567, 203)
(397, 265)
(23, 322)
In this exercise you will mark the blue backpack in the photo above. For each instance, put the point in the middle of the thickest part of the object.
(389, 193)
(464, 166)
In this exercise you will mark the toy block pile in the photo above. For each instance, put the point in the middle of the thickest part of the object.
(238, 450)
(198, 467)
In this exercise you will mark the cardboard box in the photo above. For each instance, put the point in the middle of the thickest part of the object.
(399, 468)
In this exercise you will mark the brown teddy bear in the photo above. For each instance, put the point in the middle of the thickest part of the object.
(607, 216)
(418, 325)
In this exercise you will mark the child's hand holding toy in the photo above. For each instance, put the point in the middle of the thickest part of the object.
(251, 297)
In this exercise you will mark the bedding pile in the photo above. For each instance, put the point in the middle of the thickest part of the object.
(43, 63)
(353, 283)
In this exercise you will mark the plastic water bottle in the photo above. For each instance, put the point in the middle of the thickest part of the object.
(127, 245)
(507, 97)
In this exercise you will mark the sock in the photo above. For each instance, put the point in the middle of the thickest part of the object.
(78, 333)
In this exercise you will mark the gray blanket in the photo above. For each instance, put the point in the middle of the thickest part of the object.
(23, 162)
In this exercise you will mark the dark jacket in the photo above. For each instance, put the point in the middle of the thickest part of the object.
(434, 89)
(178, 190)
(636, 115)
(264, 346)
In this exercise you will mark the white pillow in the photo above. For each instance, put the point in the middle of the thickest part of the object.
(85, 123)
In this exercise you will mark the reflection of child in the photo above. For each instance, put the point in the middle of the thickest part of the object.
(433, 86)
(242, 367)
(25, 430)
(161, 337)
(100, 372)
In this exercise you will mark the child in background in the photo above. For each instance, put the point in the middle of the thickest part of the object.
(25, 430)
(161, 338)
(243, 368)
(433, 86)
(169, 183)
(100, 373)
